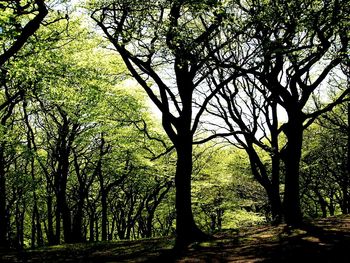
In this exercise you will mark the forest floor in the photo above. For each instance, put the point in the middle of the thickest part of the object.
(324, 240)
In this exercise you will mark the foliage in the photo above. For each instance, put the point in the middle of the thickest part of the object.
(325, 177)
(224, 193)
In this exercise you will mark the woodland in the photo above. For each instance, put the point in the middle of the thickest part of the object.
(130, 120)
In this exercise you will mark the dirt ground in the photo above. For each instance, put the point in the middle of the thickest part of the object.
(325, 240)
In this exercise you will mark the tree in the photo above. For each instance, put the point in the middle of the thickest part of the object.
(297, 45)
(64, 104)
(159, 39)
(13, 38)
(325, 179)
(253, 122)
(75, 139)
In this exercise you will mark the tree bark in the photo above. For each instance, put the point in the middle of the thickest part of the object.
(186, 228)
(57, 236)
(292, 156)
(104, 220)
(67, 221)
(50, 233)
(276, 203)
(91, 227)
(3, 217)
(275, 198)
(77, 227)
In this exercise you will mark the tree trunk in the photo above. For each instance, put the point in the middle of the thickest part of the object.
(19, 217)
(49, 234)
(331, 207)
(57, 239)
(77, 229)
(186, 229)
(96, 231)
(111, 233)
(91, 227)
(103, 189)
(322, 202)
(292, 156)
(220, 214)
(271, 186)
(66, 214)
(276, 203)
(3, 218)
(104, 214)
(63, 212)
(348, 160)
(275, 198)
(67, 221)
(34, 225)
(39, 237)
(149, 225)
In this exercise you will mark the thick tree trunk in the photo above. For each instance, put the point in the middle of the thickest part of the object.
(186, 229)
(292, 156)
(67, 221)
(91, 227)
(77, 228)
(276, 204)
(149, 224)
(63, 212)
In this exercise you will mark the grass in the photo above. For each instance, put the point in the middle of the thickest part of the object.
(325, 240)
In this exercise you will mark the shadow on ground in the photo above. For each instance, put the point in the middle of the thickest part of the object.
(326, 240)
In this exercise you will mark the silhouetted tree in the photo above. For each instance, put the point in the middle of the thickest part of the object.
(167, 47)
(297, 46)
